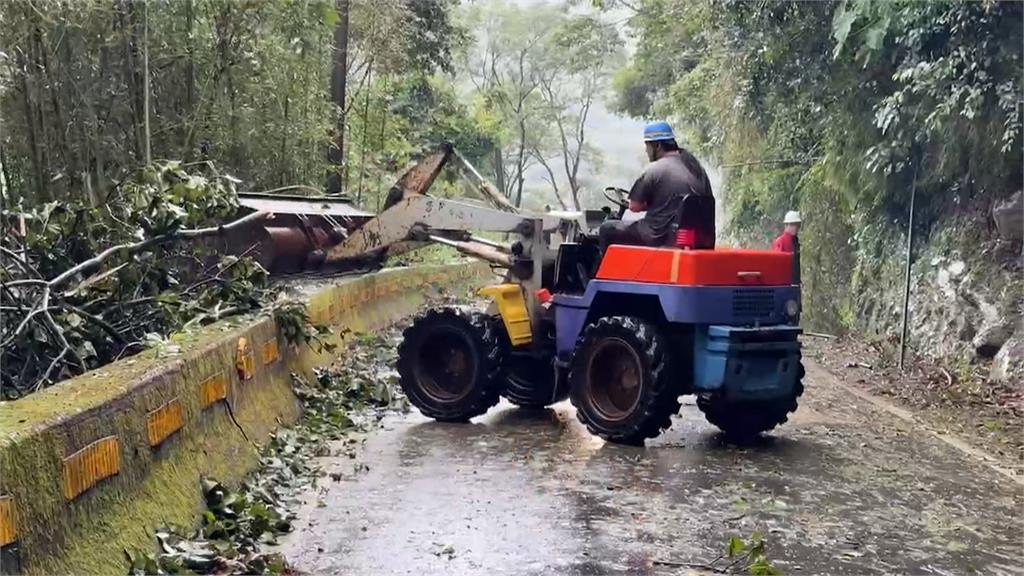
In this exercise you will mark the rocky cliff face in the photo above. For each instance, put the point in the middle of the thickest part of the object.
(966, 298)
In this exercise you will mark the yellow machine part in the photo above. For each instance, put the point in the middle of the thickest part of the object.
(512, 307)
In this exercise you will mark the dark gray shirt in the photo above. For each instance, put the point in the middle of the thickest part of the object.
(662, 187)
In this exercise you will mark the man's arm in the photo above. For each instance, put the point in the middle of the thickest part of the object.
(640, 193)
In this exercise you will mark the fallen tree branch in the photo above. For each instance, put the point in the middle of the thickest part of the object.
(36, 310)
(106, 327)
(26, 282)
(93, 280)
(17, 258)
(136, 247)
(696, 565)
(44, 308)
(85, 289)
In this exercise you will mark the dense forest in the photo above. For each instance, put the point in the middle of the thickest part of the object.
(93, 89)
(245, 84)
(845, 110)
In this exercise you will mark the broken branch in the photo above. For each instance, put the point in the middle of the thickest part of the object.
(142, 245)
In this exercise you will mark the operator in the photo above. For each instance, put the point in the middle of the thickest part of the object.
(672, 174)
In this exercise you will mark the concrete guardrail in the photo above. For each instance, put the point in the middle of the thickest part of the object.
(91, 466)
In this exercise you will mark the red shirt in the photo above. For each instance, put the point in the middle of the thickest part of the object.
(784, 243)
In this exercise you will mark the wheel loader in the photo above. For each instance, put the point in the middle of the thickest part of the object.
(622, 334)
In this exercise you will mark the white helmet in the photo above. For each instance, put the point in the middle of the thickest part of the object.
(792, 217)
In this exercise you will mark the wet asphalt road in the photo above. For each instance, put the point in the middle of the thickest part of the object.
(843, 488)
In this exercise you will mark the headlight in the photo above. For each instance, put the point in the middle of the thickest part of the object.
(792, 308)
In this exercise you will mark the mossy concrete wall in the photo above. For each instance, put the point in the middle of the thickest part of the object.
(54, 532)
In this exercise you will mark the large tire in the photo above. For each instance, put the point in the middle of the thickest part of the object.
(449, 364)
(621, 381)
(531, 382)
(745, 420)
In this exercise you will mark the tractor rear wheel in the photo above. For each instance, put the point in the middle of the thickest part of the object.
(621, 380)
(745, 420)
(531, 381)
(449, 364)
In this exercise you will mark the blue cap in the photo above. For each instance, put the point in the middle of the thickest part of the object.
(657, 131)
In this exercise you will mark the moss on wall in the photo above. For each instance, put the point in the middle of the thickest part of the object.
(160, 485)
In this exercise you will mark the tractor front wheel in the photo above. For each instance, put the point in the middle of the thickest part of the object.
(745, 420)
(621, 381)
(449, 364)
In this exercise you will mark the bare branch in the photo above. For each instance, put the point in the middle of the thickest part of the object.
(21, 326)
(25, 266)
(550, 177)
(93, 280)
(136, 247)
(106, 327)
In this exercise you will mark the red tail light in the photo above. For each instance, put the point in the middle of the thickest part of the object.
(686, 238)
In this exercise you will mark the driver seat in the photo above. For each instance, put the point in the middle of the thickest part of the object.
(695, 223)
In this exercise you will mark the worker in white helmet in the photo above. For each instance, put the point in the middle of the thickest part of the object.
(789, 241)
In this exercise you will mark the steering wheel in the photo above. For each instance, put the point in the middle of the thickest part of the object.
(617, 196)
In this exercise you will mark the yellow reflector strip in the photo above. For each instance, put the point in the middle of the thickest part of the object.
(164, 421)
(8, 524)
(270, 352)
(83, 469)
(213, 389)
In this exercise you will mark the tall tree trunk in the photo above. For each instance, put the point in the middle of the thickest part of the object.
(339, 75)
(380, 141)
(99, 125)
(366, 130)
(499, 169)
(146, 134)
(521, 163)
(5, 178)
(38, 172)
(190, 115)
(130, 76)
(283, 165)
(60, 124)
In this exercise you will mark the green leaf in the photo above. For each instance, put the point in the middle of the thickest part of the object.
(841, 24)
(86, 350)
(761, 567)
(734, 547)
(328, 15)
(73, 320)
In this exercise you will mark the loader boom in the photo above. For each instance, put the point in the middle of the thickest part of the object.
(411, 219)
